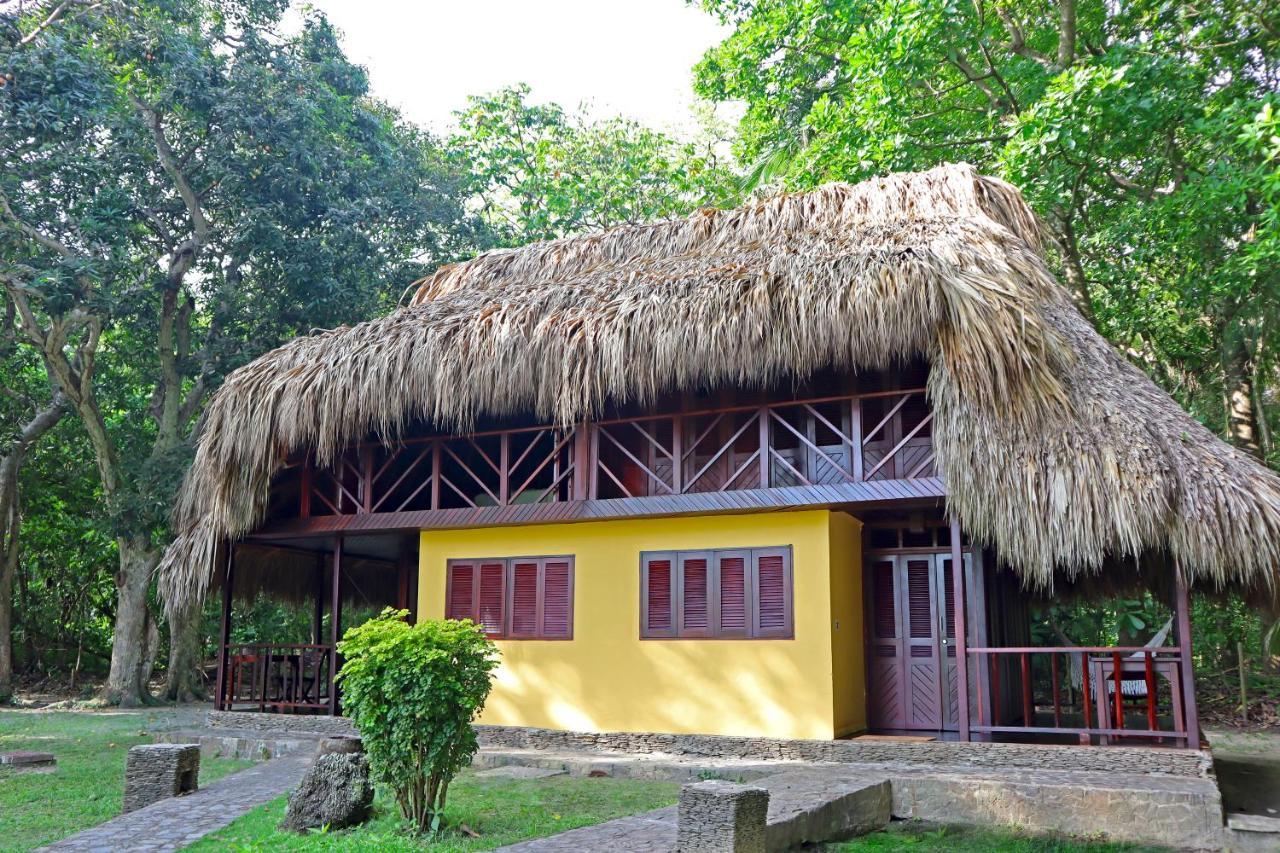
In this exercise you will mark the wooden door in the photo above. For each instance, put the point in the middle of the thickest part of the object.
(911, 649)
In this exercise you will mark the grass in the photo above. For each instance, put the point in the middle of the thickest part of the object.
(499, 811)
(920, 837)
(88, 786)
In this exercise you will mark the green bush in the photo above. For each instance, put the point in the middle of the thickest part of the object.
(412, 691)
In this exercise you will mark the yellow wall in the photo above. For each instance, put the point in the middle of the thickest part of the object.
(848, 673)
(607, 679)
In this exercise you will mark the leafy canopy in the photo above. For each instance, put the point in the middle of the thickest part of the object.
(412, 691)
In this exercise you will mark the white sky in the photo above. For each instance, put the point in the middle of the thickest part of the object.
(627, 57)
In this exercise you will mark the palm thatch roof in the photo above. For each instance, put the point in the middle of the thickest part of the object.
(1054, 448)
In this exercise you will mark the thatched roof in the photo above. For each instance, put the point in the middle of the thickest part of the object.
(1054, 448)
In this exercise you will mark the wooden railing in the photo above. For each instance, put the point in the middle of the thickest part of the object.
(846, 439)
(284, 677)
(1102, 692)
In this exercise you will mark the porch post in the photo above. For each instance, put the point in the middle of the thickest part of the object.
(335, 617)
(958, 578)
(317, 587)
(224, 632)
(1182, 612)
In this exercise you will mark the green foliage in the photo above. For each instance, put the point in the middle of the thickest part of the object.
(88, 788)
(483, 814)
(542, 173)
(412, 692)
(1144, 133)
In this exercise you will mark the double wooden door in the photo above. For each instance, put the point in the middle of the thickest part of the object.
(911, 649)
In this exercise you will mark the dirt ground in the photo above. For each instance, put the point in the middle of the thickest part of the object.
(1248, 767)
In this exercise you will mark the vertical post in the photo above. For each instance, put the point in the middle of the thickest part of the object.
(959, 574)
(402, 579)
(855, 448)
(304, 488)
(224, 632)
(1182, 612)
(317, 617)
(677, 453)
(335, 617)
(764, 447)
(366, 479)
(504, 468)
(435, 474)
(581, 461)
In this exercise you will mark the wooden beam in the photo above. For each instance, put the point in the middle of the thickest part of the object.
(224, 632)
(335, 618)
(959, 577)
(1182, 612)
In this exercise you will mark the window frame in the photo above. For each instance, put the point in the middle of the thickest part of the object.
(508, 594)
(752, 630)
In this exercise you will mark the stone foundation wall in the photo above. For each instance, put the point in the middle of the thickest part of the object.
(1111, 759)
(283, 723)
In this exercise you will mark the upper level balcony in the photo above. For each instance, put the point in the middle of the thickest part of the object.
(691, 455)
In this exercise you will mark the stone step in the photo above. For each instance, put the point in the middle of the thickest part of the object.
(246, 744)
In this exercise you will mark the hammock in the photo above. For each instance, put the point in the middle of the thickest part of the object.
(1129, 686)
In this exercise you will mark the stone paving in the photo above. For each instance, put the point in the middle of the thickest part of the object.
(179, 821)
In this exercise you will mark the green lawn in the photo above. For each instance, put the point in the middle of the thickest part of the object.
(499, 811)
(88, 785)
(927, 838)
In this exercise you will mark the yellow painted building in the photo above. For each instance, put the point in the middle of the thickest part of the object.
(606, 678)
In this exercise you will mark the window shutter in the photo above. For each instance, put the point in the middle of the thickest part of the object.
(694, 587)
(460, 603)
(491, 596)
(524, 598)
(771, 592)
(557, 602)
(919, 599)
(733, 595)
(885, 617)
(657, 598)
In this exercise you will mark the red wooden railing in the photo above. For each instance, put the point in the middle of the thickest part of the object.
(1102, 692)
(845, 439)
(277, 677)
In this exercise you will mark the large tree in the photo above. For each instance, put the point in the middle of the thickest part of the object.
(187, 184)
(541, 172)
(1144, 132)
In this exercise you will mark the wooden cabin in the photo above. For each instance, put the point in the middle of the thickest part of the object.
(794, 470)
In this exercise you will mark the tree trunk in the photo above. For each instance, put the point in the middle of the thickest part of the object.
(126, 682)
(1238, 373)
(183, 682)
(1072, 265)
(8, 566)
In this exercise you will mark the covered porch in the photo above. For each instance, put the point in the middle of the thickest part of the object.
(1024, 679)
(322, 585)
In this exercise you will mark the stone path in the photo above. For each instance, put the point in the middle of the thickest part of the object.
(651, 832)
(176, 822)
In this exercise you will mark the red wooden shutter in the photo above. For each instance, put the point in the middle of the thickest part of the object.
(460, 601)
(771, 576)
(524, 598)
(557, 600)
(919, 599)
(492, 592)
(657, 599)
(694, 610)
(733, 598)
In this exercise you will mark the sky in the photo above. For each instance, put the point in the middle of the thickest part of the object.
(619, 57)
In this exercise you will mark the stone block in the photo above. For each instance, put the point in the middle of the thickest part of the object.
(815, 806)
(721, 817)
(335, 792)
(26, 761)
(157, 771)
(515, 771)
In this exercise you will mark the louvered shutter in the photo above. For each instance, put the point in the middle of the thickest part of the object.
(693, 609)
(771, 592)
(657, 595)
(491, 597)
(557, 600)
(734, 600)
(525, 585)
(460, 599)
